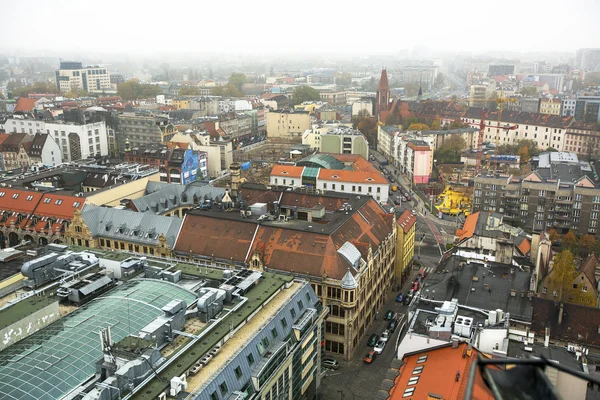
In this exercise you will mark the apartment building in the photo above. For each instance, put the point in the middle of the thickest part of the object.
(333, 98)
(175, 164)
(219, 153)
(501, 69)
(405, 245)
(481, 94)
(142, 129)
(550, 106)
(76, 141)
(546, 130)
(73, 75)
(287, 125)
(583, 138)
(344, 140)
(567, 107)
(559, 194)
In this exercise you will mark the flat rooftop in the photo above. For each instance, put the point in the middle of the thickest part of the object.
(488, 286)
(556, 353)
(15, 312)
(270, 284)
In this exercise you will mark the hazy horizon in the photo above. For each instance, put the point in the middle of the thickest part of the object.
(150, 29)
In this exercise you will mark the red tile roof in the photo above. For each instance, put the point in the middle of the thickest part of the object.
(287, 171)
(18, 200)
(468, 228)
(439, 375)
(352, 176)
(406, 220)
(59, 206)
(25, 104)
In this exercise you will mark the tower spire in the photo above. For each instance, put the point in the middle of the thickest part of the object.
(383, 96)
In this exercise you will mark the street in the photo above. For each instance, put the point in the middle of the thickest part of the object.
(356, 379)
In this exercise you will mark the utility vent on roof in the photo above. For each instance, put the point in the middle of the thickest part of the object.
(335, 177)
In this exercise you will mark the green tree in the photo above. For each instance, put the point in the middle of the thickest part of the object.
(451, 150)
(417, 127)
(436, 125)
(237, 79)
(457, 124)
(530, 91)
(390, 120)
(305, 93)
(368, 127)
(344, 79)
(19, 90)
(76, 93)
(228, 90)
(133, 89)
(189, 91)
(563, 272)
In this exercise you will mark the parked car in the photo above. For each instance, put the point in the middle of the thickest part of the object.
(392, 325)
(373, 339)
(379, 347)
(389, 314)
(330, 363)
(407, 197)
(385, 335)
(397, 202)
(370, 357)
(407, 299)
(400, 297)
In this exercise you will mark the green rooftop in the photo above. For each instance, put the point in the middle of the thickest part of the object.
(321, 161)
(270, 284)
(17, 311)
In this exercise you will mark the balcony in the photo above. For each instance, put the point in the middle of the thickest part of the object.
(560, 200)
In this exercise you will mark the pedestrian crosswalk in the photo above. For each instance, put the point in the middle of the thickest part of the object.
(428, 270)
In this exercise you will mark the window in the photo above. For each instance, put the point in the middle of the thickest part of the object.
(545, 290)
(284, 322)
(250, 358)
(58, 202)
(238, 372)
(274, 333)
(417, 370)
(293, 311)
(408, 392)
(16, 196)
(422, 359)
(214, 396)
(29, 198)
(413, 380)
(300, 305)
(223, 388)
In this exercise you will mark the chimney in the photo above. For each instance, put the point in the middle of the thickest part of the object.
(560, 313)
(546, 337)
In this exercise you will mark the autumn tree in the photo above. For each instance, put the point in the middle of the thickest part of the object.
(305, 93)
(362, 114)
(189, 91)
(553, 234)
(133, 89)
(368, 127)
(457, 124)
(436, 125)
(19, 90)
(523, 153)
(76, 93)
(586, 244)
(563, 272)
(569, 240)
(417, 127)
(228, 90)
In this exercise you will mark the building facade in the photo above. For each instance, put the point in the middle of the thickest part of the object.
(72, 76)
(405, 246)
(140, 130)
(287, 125)
(550, 106)
(176, 164)
(501, 69)
(344, 141)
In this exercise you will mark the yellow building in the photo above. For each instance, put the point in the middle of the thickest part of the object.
(123, 230)
(287, 125)
(550, 106)
(310, 107)
(405, 245)
(181, 104)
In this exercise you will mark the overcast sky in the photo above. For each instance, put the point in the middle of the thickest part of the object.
(233, 26)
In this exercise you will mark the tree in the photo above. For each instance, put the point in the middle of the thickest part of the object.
(439, 82)
(523, 152)
(362, 114)
(563, 271)
(411, 89)
(345, 79)
(76, 93)
(450, 151)
(457, 124)
(586, 244)
(305, 93)
(189, 91)
(530, 91)
(368, 127)
(417, 127)
(436, 125)
(237, 79)
(553, 235)
(551, 149)
(228, 90)
(133, 89)
(569, 240)
(19, 90)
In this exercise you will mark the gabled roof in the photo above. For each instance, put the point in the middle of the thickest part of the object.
(162, 196)
(287, 171)
(468, 229)
(59, 206)
(361, 177)
(588, 268)
(406, 220)
(18, 200)
(438, 376)
(25, 104)
(131, 226)
(579, 324)
(38, 144)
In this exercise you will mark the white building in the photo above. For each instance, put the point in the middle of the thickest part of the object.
(568, 107)
(362, 105)
(73, 76)
(45, 150)
(76, 142)
(370, 183)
